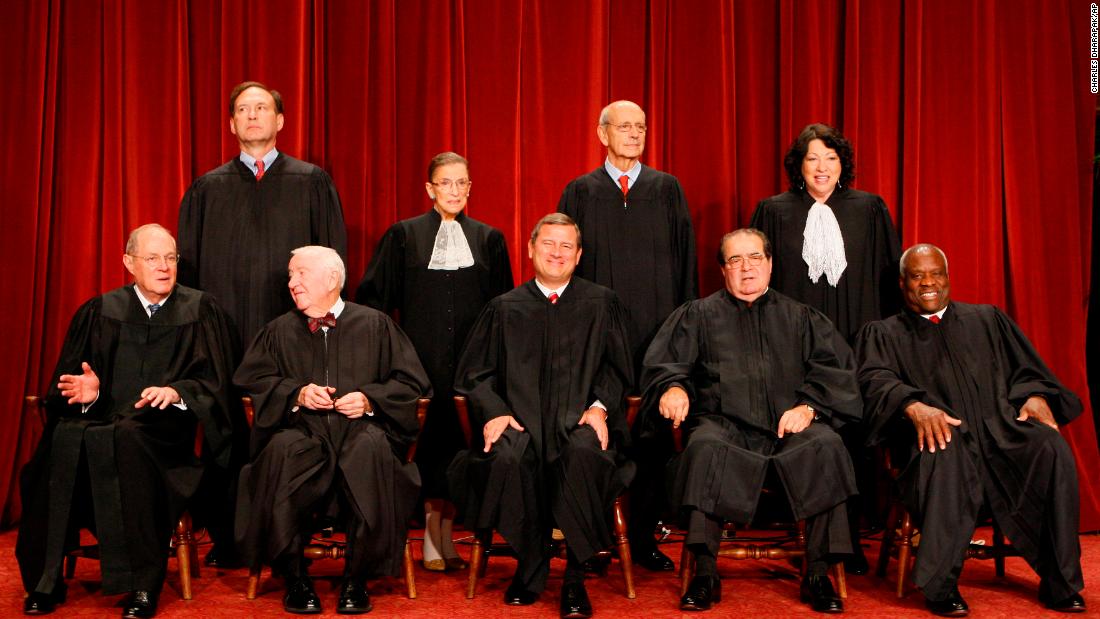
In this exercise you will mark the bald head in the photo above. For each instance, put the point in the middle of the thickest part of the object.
(924, 283)
(920, 249)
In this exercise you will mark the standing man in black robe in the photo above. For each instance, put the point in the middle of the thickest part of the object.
(335, 387)
(237, 225)
(972, 413)
(759, 381)
(140, 367)
(641, 245)
(546, 369)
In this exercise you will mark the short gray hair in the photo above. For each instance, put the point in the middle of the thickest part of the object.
(921, 248)
(328, 258)
(132, 240)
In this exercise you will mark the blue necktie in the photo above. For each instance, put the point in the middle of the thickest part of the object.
(153, 307)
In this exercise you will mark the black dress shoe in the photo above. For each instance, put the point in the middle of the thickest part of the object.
(702, 593)
(574, 601)
(819, 592)
(301, 598)
(140, 605)
(517, 595)
(44, 603)
(953, 606)
(1073, 604)
(353, 599)
(220, 558)
(653, 560)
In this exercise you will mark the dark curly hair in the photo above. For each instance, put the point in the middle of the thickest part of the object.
(832, 138)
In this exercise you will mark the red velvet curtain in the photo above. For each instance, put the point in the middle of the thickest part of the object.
(972, 119)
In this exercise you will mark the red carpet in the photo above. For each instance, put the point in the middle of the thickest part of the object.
(750, 589)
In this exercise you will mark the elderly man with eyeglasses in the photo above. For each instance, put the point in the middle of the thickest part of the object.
(140, 368)
(639, 242)
(758, 381)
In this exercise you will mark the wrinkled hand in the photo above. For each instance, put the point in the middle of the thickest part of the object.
(1037, 408)
(674, 405)
(795, 420)
(495, 427)
(316, 397)
(933, 425)
(80, 388)
(353, 405)
(596, 418)
(158, 397)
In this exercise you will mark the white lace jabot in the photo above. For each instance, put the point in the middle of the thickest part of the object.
(823, 245)
(451, 251)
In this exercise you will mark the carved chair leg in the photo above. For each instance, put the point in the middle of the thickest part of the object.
(184, 549)
(253, 583)
(410, 578)
(841, 580)
(623, 545)
(801, 532)
(905, 546)
(477, 566)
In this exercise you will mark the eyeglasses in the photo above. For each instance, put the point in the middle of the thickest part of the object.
(154, 261)
(447, 183)
(752, 259)
(626, 127)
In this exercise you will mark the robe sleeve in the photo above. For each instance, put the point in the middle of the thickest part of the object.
(884, 391)
(829, 382)
(500, 267)
(188, 236)
(762, 219)
(273, 395)
(885, 262)
(401, 382)
(670, 361)
(570, 202)
(683, 237)
(206, 383)
(327, 216)
(74, 350)
(478, 373)
(383, 282)
(1028, 375)
(614, 378)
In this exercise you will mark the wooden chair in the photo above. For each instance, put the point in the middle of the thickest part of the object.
(789, 545)
(183, 541)
(324, 545)
(483, 549)
(900, 539)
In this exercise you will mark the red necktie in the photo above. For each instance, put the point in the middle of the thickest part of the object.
(624, 182)
(259, 169)
(553, 298)
(935, 319)
(328, 320)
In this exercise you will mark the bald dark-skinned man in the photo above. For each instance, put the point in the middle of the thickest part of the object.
(971, 414)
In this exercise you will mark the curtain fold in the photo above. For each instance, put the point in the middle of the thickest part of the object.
(973, 120)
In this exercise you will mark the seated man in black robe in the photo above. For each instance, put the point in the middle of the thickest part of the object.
(140, 366)
(757, 379)
(971, 414)
(334, 387)
(546, 369)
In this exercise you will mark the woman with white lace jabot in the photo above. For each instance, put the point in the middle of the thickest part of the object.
(435, 273)
(834, 248)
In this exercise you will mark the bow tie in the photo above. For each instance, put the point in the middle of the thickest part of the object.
(328, 320)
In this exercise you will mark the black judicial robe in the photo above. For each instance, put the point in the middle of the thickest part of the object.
(365, 352)
(185, 345)
(236, 233)
(742, 367)
(436, 309)
(868, 288)
(544, 364)
(978, 366)
(642, 247)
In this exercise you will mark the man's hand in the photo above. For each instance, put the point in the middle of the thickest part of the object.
(80, 388)
(159, 397)
(353, 405)
(495, 427)
(933, 425)
(674, 405)
(596, 418)
(795, 420)
(316, 397)
(1036, 407)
